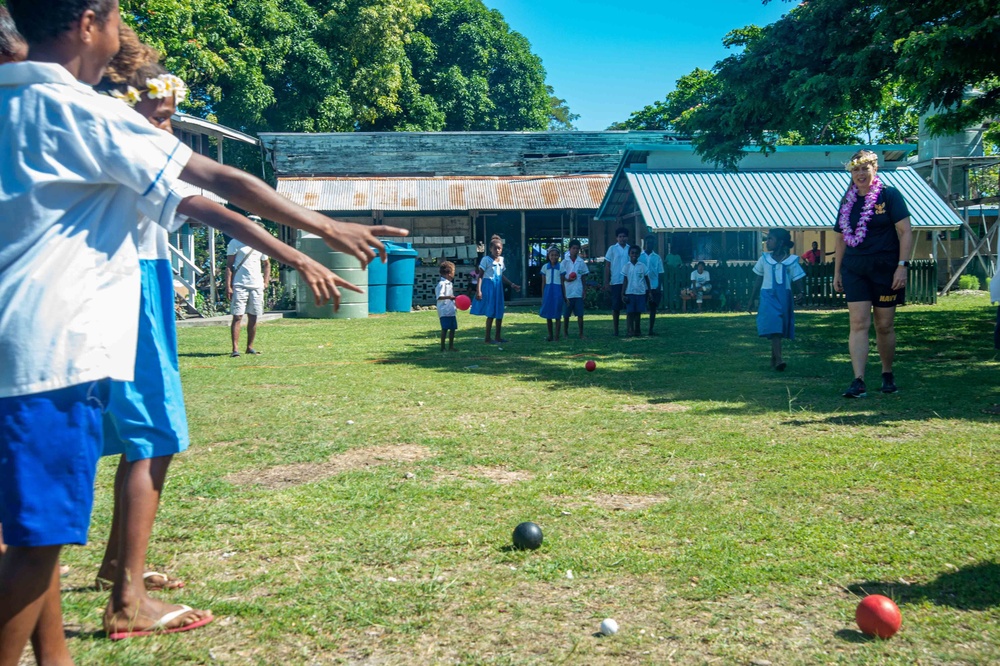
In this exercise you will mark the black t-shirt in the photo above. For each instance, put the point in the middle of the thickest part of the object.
(890, 208)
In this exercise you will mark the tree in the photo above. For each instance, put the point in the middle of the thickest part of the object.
(692, 90)
(810, 74)
(560, 117)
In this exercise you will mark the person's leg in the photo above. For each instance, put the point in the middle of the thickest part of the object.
(637, 326)
(499, 337)
(49, 638)
(130, 606)
(861, 320)
(234, 329)
(451, 339)
(109, 564)
(652, 315)
(548, 322)
(558, 329)
(251, 331)
(579, 322)
(776, 361)
(443, 333)
(885, 336)
(616, 306)
(28, 579)
(489, 328)
(996, 331)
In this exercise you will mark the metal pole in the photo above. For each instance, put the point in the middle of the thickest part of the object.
(524, 256)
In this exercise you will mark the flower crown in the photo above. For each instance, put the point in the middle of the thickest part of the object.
(160, 87)
(862, 160)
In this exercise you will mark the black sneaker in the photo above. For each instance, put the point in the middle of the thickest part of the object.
(857, 389)
(888, 383)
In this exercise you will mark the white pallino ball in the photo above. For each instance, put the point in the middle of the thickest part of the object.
(609, 627)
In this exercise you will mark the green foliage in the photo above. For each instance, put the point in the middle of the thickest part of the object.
(968, 282)
(345, 65)
(560, 117)
(692, 90)
(842, 71)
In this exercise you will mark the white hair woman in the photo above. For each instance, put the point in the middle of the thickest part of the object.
(870, 265)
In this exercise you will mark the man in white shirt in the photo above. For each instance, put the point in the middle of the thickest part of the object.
(614, 261)
(654, 271)
(248, 272)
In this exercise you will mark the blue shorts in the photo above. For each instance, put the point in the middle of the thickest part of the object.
(449, 323)
(616, 298)
(146, 417)
(635, 303)
(49, 446)
(574, 306)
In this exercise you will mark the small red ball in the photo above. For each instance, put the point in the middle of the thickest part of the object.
(591, 366)
(463, 302)
(878, 616)
(572, 276)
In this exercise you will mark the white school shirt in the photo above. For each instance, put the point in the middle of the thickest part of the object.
(782, 273)
(492, 269)
(553, 274)
(446, 308)
(618, 257)
(76, 167)
(248, 260)
(635, 274)
(574, 289)
(654, 266)
(700, 279)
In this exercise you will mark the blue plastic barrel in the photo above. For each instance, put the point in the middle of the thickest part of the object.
(400, 275)
(377, 277)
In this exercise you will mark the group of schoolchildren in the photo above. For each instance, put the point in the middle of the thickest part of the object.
(89, 189)
(635, 279)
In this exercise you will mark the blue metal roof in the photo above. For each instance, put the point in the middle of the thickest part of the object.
(689, 201)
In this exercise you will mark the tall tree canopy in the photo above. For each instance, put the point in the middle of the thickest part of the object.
(841, 71)
(344, 65)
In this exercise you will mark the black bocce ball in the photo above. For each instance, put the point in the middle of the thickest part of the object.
(527, 536)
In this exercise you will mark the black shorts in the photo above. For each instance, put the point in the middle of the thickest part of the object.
(869, 278)
(617, 302)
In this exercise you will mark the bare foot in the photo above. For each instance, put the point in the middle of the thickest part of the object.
(155, 580)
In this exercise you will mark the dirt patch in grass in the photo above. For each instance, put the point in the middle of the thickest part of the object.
(657, 407)
(611, 502)
(504, 477)
(286, 476)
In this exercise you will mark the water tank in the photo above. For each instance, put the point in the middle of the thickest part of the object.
(352, 304)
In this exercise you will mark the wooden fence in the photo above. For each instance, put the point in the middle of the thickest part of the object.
(732, 283)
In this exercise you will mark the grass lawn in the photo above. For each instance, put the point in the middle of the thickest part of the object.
(349, 496)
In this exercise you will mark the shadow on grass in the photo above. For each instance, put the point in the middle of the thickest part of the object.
(975, 587)
(943, 357)
(853, 636)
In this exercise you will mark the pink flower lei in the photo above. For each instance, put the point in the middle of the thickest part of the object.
(856, 237)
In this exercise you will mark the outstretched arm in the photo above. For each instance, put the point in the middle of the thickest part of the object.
(253, 194)
(322, 281)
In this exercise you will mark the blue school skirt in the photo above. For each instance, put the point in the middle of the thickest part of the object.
(776, 314)
(552, 302)
(491, 305)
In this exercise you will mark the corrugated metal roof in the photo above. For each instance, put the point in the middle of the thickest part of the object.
(446, 194)
(763, 199)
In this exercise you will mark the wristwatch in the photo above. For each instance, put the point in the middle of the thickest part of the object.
(904, 264)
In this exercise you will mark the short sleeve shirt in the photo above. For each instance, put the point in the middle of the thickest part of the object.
(248, 260)
(492, 269)
(778, 274)
(574, 289)
(552, 274)
(635, 274)
(77, 170)
(700, 279)
(617, 256)
(881, 238)
(654, 266)
(446, 307)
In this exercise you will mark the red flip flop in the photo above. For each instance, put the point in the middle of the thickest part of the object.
(160, 626)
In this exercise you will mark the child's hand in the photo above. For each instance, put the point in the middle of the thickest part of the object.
(516, 287)
(479, 295)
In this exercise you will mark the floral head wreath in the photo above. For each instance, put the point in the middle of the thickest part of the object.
(867, 157)
(160, 87)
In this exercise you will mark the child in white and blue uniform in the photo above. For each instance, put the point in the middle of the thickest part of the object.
(777, 272)
(489, 301)
(553, 292)
(444, 293)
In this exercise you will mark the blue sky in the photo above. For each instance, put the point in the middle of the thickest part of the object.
(608, 59)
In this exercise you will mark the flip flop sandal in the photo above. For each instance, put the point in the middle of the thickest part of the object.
(160, 626)
(105, 584)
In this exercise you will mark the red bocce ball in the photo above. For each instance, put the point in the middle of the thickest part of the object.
(878, 616)
(591, 366)
(463, 302)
